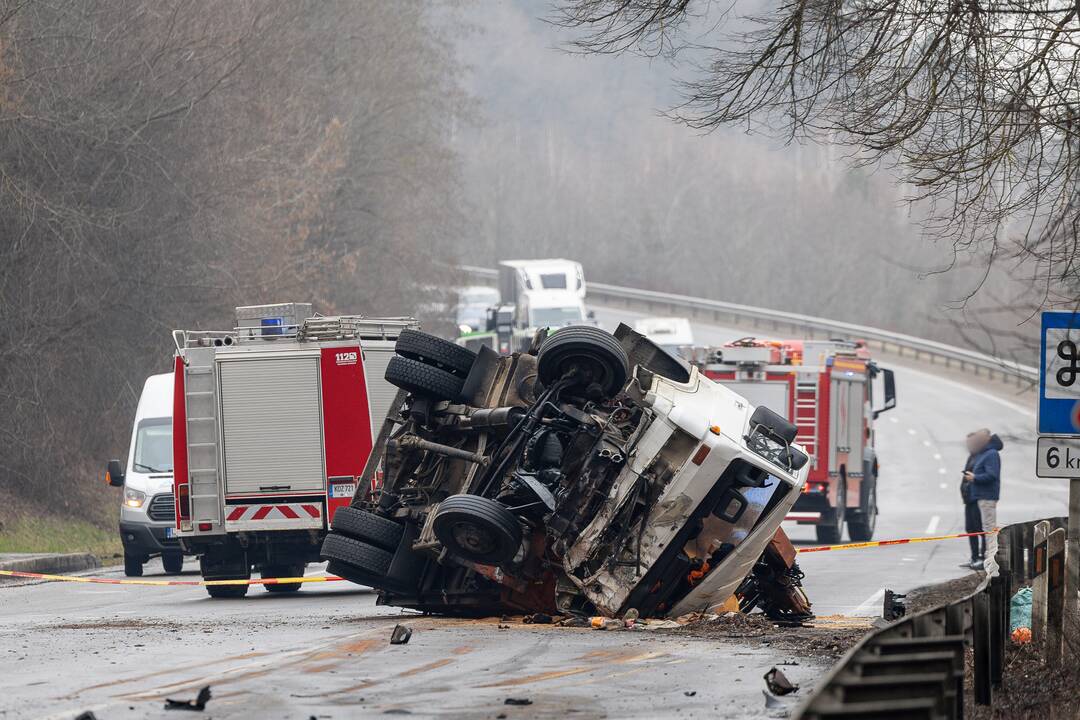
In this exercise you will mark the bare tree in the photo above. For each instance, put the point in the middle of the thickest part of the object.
(975, 104)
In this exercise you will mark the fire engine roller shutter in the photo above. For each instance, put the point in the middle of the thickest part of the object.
(381, 394)
(271, 424)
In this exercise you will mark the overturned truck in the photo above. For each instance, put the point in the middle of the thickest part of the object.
(592, 474)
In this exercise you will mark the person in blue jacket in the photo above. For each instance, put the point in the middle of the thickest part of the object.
(984, 476)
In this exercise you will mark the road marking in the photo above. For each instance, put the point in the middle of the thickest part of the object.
(937, 456)
(931, 528)
(944, 485)
(894, 419)
(926, 443)
(870, 606)
(911, 431)
(942, 470)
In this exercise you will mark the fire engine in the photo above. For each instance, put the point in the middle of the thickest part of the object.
(827, 390)
(272, 426)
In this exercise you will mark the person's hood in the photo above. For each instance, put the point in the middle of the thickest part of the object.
(995, 443)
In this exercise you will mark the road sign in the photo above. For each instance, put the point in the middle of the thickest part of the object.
(1059, 374)
(1058, 456)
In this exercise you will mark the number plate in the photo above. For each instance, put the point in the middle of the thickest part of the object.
(170, 533)
(1058, 457)
(342, 490)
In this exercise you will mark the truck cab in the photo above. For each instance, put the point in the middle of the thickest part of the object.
(146, 477)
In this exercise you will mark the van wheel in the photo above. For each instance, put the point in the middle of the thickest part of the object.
(368, 527)
(280, 571)
(173, 562)
(355, 561)
(133, 565)
(435, 351)
(416, 377)
(586, 355)
(478, 529)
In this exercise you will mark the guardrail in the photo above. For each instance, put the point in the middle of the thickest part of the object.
(915, 667)
(808, 326)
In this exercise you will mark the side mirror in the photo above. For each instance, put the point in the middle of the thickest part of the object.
(889, 382)
(114, 474)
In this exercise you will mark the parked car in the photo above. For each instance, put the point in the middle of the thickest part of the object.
(592, 476)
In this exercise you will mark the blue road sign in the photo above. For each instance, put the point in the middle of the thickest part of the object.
(1059, 374)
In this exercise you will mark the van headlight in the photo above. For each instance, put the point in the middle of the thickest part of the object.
(134, 498)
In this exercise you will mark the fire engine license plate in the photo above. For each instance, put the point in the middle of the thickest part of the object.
(342, 490)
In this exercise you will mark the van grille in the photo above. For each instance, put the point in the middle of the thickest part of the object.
(161, 508)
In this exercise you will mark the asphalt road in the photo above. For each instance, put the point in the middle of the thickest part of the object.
(120, 651)
(921, 449)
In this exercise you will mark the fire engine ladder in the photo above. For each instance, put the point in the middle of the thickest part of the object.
(200, 396)
(806, 411)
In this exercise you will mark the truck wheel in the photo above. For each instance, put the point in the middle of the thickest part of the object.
(133, 565)
(432, 350)
(586, 354)
(477, 529)
(226, 592)
(368, 527)
(280, 571)
(831, 529)
(416, 377)
(355, 561)
(173, 562)
(861, 529)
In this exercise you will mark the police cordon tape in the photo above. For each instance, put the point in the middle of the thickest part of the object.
(335, 578)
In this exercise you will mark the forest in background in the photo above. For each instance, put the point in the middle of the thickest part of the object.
(162, 161)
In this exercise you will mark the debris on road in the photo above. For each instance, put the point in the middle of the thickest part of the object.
(400, 635)
(778, 683)
(517, 701)
(87, 715)
(198, 704)
(538, 619)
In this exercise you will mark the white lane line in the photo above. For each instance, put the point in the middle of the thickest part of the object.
(871, 606)
(911, 431)
(1025, 410)
(926, 443)
(942, 471)
(937, 456)
(932, 526)
(894, 419)
(944, 485)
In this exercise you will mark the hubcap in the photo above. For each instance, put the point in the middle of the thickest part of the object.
(472, 538)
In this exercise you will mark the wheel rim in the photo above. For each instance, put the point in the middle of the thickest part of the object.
(871, 510)
(473, 538)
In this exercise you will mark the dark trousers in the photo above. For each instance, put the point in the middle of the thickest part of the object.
(973, 523)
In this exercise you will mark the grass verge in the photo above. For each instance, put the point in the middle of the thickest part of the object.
(44, 534)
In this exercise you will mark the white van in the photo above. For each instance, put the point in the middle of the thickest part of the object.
(670, 333)
(147, 511)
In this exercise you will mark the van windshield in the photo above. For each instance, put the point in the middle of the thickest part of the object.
(153, 446)
(556, 317)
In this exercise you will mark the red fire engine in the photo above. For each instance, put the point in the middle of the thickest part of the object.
(827, 390)
(273, 423)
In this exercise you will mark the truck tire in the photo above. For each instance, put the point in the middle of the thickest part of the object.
(861, 527)
(432, 350)
(368, 527)
(226, 592)
(173, 562)
(420, 379)
(588, 354)
(477, 529)
(355, 561)
(133, 565)
(831, 529)
(280, 571)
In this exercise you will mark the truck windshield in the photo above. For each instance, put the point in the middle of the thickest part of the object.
(153, 446)
(556, 317)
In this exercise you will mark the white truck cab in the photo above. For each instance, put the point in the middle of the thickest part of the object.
(146, 507)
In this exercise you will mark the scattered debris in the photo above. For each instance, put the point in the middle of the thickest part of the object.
(87, 715)
(690, 693)
(517, 701)
(401, 635)
(893, 607)
(778, 683)
(1021, 635)
(575, 621)
(538, 619)
(198, 704)
(773, 703)
(604, 623)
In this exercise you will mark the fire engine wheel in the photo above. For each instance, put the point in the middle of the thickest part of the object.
(283, 571)
(368, 527)
(477, 529)
(435, 351)
(225, 592)
(586, 354)
(831, 530)
(356, 561)
(421, 379)
(173, 562)
(861, 529)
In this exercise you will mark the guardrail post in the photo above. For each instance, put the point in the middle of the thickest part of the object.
(1072, 553)
(1055, 595)
(1038, 582)
(980, 631)
(998, 628)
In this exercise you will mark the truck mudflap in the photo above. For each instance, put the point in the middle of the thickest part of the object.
(274, 516)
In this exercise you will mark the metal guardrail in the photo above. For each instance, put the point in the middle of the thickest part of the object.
(915, 666)
(807, 326)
